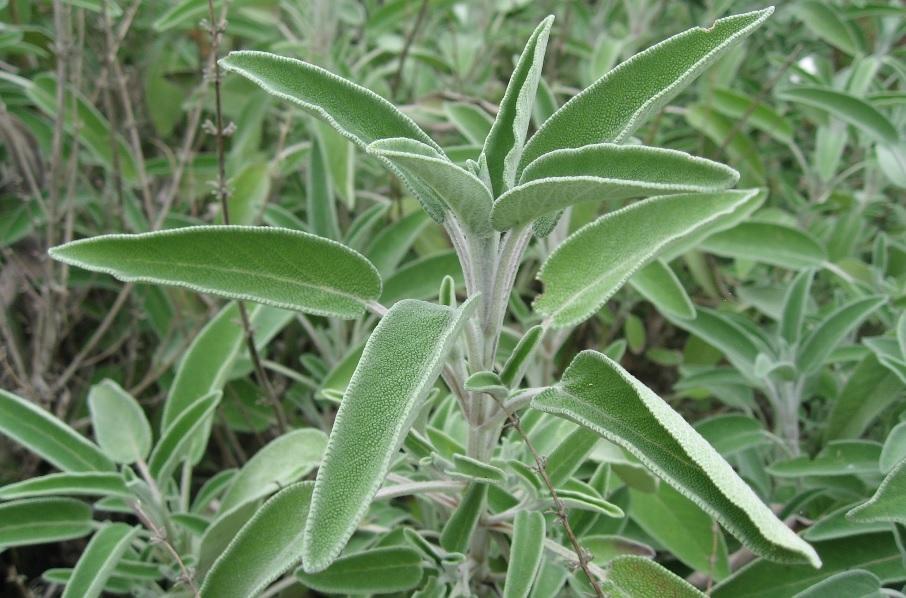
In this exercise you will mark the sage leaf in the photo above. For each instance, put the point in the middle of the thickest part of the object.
(280, 267)
(375, 571)
(460, 526)
(97, 563)
(595, 261)
(597, 393)
(321, 209)
(734, 341)
(837, 458)
(827, 23)
(736, 105)
(174, 445)
(769, 243)
(629, 576)
(67, 484)
(887, 502)
(617, 104)
(894, 449)
(658, 283)
(48, 437)
(265, 548)
(847, 108)
(473, 469)
(817, 346)
(847, 584)
(795, 304)
(391, 244)
(473, 122)
(119, 423)
(566, 177)
(868, 391)
(520, 357)
(503, 145)
(43, 520)
(399, 365)
(525, 554)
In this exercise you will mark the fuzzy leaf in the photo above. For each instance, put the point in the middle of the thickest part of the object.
(736, 105)
(460, 526)
(473, 469)
(618, 103)
(473, 122)
(266, 547)
(48, 437)
(67, 484)
(817, 346)
(795, 304)
(657, 283)
(870, 389)
(825, 21)
(280, 267)
(400, 363)
(566, 177)
(848, 584)
(119, 423)
(503, 145)
(176, 441)
(320, 207)
(393, 242)
(837, 458)
(847, 108)
(769, 243)
(520, 357)
(630, 576)
(97, 563)
(597, 393)
(43, 520)
(887, 502)
(376, 571)
(595, 261)
(525, 554)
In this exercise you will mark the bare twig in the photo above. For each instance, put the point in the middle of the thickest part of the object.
(160, 537)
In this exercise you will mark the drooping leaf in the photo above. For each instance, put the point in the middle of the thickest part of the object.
(43, 520)
(894, 449)
(473, 469)
(847, 108)
(658, 283)
(503, 145)
(400, 363)
(597, 393)
(97, 563)
(280, 267)
(48, 437)
(525, 554)
(618, 103)
(119, 423)
(630, 576)
(725, 334)
(819, 343)
(179, 437)
(602, 171)
(769, 243)
(67, 484)
(266, 547)
(594, 262)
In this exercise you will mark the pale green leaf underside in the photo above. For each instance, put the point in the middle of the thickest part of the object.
(399, 365)
(119, 423)
(593, 263)
(48, 437)
(597, 393)
(280, 267)
(525, 554)
(769, 243)
(97, 562)
(605, 172)
(620, 101)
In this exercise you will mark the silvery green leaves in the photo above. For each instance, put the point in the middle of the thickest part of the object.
(597, 393)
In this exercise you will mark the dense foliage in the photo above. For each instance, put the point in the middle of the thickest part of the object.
(448, 298)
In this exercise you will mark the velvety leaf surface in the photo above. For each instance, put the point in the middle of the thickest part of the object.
(400, 363)
(846, 107)
(525, 554)
(375, 571)
(597, 393)
(631, 576)
(176, 441)
(819, 343)
(119, 423)
(849, 584)
(279, 267)
(459, 528)
(768, 243)
(97, 563)
(868, 391)
(43, 520)
(887, 504)
(658, 283)
(67, 484)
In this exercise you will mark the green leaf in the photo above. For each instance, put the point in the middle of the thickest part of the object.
(98, 561)
(520, 357)
(868, 391)
(250, 190)
(525, 554)
(767, 242)
(587, 501)
(595, 261)
(339, 156)
(817, 346)
(48, 437)
(461, 192)
(618, 103)
(265, 548)
(631, 576)
(279, 463)
(400, 363)
(178, 438)
(65, 484)
(726, 335)
(473, 122)
(280, 267)
(473, 469)
(569, 454)
(894, 449)
(835, 525)
(460, 526)
(731, 433)
(658, 283)
(503, 145)
(320, 208)
(393, 242)
(602, 171)
(419, 279)
(838, 457)
(597, 393)
(847, 108)
(736, 105)
(375, 571)
(824, 21)
(887, 502)
(722, 131)
(680, 526)
(795, 304)
(849, 584)
(605, 548)
(43, 520)
(119, 423)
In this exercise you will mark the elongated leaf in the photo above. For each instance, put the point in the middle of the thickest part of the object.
(67, 484)
(48, 437)
(795, 304)
(520, 357)
(279, 267)
(769, 243)
(320, 206)
(461, 191)
(119, 423)
(419, 279)
(265, 548)
(825, 21)
(887, 503)
(597, 393)
(894, 449)
(393, 242)
(250, 189)
(43, 520)
(281, 462)
(593, 263)
(460, 526)
(838, 457)
(339, 155)
(525, 554)
(619, 102)
(723, 132)
(870, 389)
(847, 108)
(97, 563)
(473, 122)
(503, 145)
(726, 335)
(376, 571)
(849, 584)
(658, 283)
(566, 177)
(401, 361)
(178, 438)
(630, 576)
(817, 346)
(474, 469)
(736, 105)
